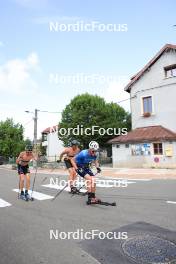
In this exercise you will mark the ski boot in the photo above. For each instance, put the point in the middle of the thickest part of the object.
(74, 190)
(28, 197)
(23, 196)
(92, 199)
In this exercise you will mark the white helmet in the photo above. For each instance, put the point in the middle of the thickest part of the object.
(94, 145)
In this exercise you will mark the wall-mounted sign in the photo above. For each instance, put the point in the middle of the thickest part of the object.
(169, 150)
(141, 149)
(156, 159)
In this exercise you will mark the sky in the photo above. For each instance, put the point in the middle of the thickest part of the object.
(47, 57)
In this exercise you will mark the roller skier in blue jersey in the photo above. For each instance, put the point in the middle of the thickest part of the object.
(81, 162)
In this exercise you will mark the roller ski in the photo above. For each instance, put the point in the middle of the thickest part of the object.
(101, 203)
(94, 200)
(23, 197)
(28, 197)
(75, 190)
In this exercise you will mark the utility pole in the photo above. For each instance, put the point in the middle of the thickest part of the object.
(35, 118)
(35, 127)
(35, 135)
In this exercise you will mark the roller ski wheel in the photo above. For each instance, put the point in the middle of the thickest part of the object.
(74, 190)
(29, 198)
(101, 203)
(93, 201)
(23, 197)
(83, 193)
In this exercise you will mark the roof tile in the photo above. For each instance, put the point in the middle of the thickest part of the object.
(148, 65)
(145, 134)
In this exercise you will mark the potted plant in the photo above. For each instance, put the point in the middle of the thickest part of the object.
(147, 114)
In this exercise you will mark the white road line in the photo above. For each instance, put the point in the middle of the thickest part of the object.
(171, 202)
(37, 195)
(58, 187)
(112, 183)
(99, 183)
(4, 203)
(127, 179)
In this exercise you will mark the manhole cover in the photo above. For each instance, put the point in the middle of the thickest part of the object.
(150, 249)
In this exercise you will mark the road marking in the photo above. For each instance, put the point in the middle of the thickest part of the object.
(37, 195)
(4, 203)
(128, 179)
(112, 183)
(99, 183)
(58, 187)
(171, 202)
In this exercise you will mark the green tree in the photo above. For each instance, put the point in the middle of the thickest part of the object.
(11, 138)
(91, 110)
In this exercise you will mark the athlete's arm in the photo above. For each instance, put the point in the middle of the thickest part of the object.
(97, 165)
(73, 162)
(20, 158)
(77, 160)
(35, 157)
(65, 151)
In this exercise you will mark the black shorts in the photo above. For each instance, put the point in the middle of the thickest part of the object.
(83, 171)
(23, 169)
(68, 163)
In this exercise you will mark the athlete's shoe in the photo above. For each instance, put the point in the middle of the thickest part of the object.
(23, 197)
(74, 190)
(28, 197)
(94, 201)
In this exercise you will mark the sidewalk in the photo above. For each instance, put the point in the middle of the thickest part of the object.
(140, 173)
(125, 173)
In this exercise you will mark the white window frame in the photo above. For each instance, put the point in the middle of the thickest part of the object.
(169, 68)
(163, 148)
(142, 106)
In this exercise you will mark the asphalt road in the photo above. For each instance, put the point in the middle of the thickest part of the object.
(25, 227)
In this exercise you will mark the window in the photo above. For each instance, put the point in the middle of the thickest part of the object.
(158, 148)
(117, 146)
(44, 137)
(170, 71)
(147, 104)
(126, 145)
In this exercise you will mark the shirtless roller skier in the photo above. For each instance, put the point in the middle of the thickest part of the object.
(23, 170)
(69, 153)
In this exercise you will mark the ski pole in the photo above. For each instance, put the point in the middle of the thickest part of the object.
(44, 179)
(19, 188)
(34, 183)
(59, 192)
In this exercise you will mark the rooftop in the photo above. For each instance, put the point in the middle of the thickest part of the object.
(145, 134)
(50, 130)
(137, 76)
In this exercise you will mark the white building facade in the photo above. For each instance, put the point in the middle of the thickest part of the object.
(51, 142)
(152, 141)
